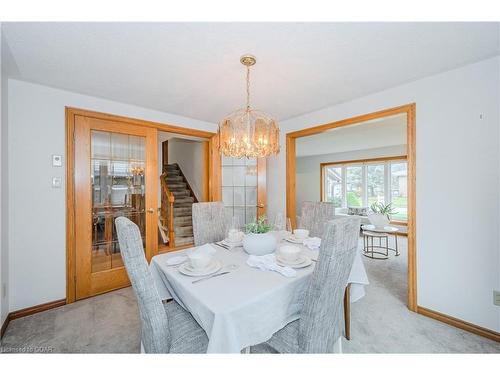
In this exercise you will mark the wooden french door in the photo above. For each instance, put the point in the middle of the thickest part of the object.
(115, 174)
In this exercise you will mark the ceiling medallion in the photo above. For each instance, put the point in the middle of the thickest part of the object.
(248, 132)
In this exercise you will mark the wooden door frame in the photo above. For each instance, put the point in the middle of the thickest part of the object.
(211, 179)
(409, 110)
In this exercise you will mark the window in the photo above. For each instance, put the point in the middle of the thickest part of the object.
(239, 188)
(375, 176)
(354, 186)
(399, 193)
(360, 184)
(334, 191)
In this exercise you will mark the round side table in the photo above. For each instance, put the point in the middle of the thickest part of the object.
(372, 250)
(370, 232)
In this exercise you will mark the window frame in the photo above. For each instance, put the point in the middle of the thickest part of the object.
(364, 163)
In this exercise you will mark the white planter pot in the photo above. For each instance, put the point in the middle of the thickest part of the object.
(259, 244)
(379, 220)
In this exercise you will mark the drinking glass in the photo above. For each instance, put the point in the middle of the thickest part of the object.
(279, 222)
(235, 223)
(289, 228)
(233, 230)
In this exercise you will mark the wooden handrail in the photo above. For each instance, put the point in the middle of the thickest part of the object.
(167, 210)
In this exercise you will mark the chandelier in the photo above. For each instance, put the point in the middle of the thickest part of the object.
(248, 132)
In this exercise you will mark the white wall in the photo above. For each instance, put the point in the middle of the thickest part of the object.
(37, 211)
(457, 184)
(4, 258)
(2, 109)
(308, 171)
(189, 155)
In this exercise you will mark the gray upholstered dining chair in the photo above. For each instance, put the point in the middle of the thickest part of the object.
(319, 326)
(315, 215)
(166, 327)
(209, 223)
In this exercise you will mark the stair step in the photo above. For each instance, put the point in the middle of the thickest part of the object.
(183, 220)
(179, 241)
(185, 200)
(172, 167)
(180, 193)
(173, 172)
(182, 205)
(174, 179)
(182, 211)
(176, 185)
(186, 231)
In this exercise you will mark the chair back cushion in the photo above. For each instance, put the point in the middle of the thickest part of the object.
(315, 215)
(155, 332)
(209, 224)
(322, 311)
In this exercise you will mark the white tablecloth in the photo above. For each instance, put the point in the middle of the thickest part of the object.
(247, 306)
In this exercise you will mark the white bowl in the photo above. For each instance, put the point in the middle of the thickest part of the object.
(289, 253)
(301, 234)
(199, 260)
(259, 244)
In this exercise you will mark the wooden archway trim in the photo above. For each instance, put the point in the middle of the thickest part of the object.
(409, 110)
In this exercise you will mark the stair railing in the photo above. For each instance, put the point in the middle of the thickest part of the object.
(167, 210)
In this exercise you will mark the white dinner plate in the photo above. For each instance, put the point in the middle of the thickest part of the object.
(232, 244)
(293, 239)
(305, 261)
(213, 267)
(300, 259)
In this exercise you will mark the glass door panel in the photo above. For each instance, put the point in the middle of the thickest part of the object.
(118, 187)
(115, 174)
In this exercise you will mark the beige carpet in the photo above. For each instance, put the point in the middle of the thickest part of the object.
(381, 323)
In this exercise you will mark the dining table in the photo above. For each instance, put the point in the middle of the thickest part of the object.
(246, 305)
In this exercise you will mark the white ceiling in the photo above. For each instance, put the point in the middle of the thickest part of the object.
(193, 69)
(378, 133)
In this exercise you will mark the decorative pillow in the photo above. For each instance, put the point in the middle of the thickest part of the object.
(359, 211)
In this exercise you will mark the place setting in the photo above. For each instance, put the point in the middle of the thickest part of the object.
(234, 236)
(301, 237)
(292, 256)
(266, 251)
(199, 262)
(298, 236)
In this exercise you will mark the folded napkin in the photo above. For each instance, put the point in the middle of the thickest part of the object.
(175, 260)
(313, 243)
(268, 263)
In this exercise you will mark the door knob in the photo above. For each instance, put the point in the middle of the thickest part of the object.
(151, 210)
(260, 205)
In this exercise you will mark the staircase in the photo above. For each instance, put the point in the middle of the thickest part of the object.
(182, 207)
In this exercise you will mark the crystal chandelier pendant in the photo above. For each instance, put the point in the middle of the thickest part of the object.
(248, 132)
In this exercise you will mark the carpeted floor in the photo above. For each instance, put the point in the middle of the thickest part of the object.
(381, 323)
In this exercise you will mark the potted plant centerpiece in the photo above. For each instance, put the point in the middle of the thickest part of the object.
(258, 240)
(380, 216)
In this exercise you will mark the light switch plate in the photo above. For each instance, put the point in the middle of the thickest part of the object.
(496, 297)
(56, 182)
(56, 160)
